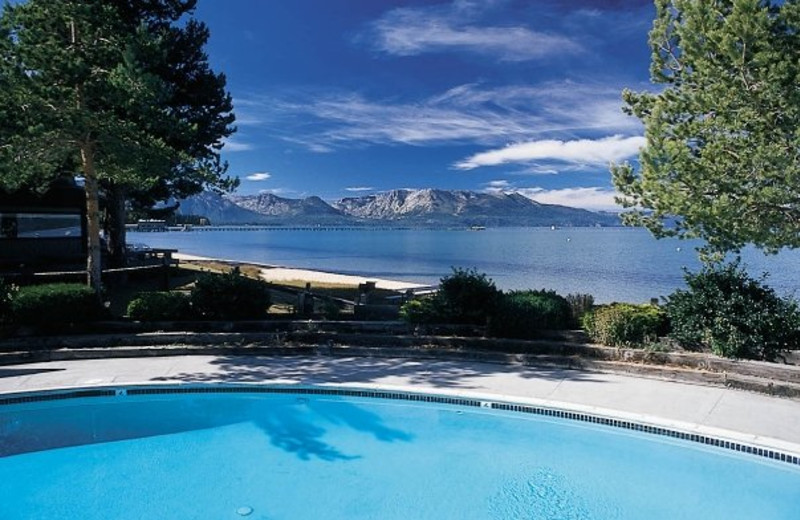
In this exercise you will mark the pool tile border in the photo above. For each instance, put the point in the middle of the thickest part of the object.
(751, 449)
(55, 395)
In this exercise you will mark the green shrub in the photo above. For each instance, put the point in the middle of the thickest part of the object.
(55, 305)
(418, 312)
(522, 314)
(230, 297)
(579, 305)
(160, 306)
(465, 296)
(734, 315)
(625, 325)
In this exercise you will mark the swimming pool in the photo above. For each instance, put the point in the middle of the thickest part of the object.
(217, 452)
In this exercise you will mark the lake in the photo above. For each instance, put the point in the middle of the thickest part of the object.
(613, 264)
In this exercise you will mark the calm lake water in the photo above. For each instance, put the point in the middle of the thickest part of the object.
(613, 264)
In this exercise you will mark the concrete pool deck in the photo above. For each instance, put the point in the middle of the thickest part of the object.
(731, 414)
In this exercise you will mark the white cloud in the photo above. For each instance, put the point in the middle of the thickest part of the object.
(583, 151)
(593, 13)
(502, 183)
(457, 27)
(497, 186)
(231, 145)
(359, 188)
(281, 192)
(248, 113)
(246, 119)
(357, 119)
(319, 148)
(311, 143)
(555, 105)
(467, 113)
(262, 176)
(538, 169)
(594, 198)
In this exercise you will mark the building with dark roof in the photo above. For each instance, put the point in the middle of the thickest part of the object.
(43, 232)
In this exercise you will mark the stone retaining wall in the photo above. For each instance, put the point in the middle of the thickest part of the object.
(393, 340)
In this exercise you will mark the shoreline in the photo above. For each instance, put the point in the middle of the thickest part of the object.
(277, 273)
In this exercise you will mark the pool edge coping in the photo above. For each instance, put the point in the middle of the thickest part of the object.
(762, 447)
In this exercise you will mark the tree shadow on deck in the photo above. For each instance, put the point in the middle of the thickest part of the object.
(322, 369)
(17, 372)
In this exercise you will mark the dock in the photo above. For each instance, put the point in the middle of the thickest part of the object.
(189, 228)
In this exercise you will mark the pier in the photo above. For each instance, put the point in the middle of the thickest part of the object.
(189, 228)
(288, 228)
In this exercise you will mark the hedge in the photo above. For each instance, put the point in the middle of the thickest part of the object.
(523, 314)
(230, 297)
(54, 305)
(160, 306)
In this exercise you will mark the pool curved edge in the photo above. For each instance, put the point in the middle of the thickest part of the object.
(758, 446)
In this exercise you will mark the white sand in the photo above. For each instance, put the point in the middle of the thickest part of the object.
(282, 274)
(181, 256)
(277, 274)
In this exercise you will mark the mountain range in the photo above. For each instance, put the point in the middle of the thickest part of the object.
(413, 208)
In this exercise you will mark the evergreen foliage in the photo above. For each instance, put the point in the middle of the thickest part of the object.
(56, 305)
(117, 91)
(465, 296)
(524, 314)
(723, 130)
(230, 297)
(732, 314)
(160, 306)
(197, 96)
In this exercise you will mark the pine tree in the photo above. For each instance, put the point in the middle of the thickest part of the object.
(196, 94)
(90, 84)
(722, 159)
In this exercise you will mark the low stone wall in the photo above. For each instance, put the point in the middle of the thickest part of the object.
(390, 339)
(270, 325)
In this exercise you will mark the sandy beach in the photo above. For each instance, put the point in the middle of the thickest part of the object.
(282, 274)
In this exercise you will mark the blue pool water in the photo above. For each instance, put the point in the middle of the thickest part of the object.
(613, 264)
(261, 456)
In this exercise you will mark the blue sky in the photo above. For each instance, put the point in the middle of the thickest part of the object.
(339, 98)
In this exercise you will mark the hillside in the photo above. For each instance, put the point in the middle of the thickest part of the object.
(426, 207)
(283, 211)
(446, 207)
(218, 209)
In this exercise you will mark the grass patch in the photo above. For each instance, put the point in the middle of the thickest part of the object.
(213, 266)
(300, 284)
